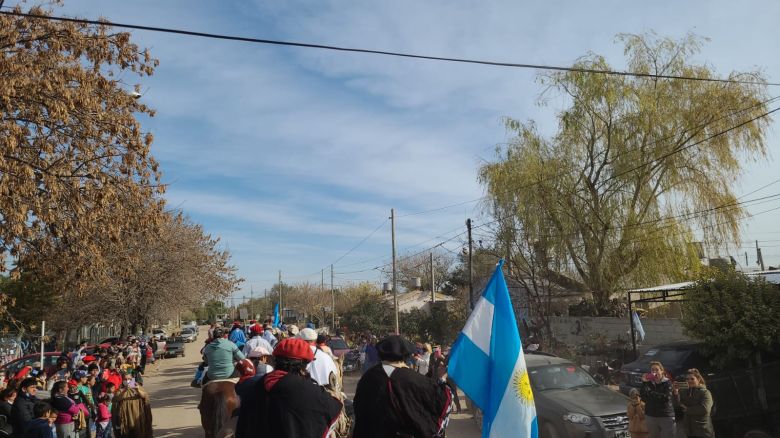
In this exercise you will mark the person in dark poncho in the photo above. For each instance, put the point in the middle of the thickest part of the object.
(392, 400)
(286, 403)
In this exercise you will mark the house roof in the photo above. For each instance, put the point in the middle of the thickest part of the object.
(769, 276)
(417, 299)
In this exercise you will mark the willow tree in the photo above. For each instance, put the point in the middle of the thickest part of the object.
(637, 168)
(74, 160)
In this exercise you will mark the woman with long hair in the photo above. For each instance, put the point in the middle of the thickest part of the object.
(696, 401)
(657, 394)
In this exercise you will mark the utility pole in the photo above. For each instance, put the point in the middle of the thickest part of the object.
(251, 302)
(281, 308)
(333, 299)
(760, 258)
(395, 287)
(433, 281)
(471, 270)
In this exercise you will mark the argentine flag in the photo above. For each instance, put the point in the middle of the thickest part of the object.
(487, 363)
(276, 315)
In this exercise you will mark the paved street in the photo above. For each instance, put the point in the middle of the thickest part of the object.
(175, 403)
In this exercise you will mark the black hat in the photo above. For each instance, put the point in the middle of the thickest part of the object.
(30, 381)
(394, 348)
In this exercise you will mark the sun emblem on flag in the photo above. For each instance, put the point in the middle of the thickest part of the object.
(522, 385)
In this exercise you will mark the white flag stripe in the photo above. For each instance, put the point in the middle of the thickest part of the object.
(513, 406)
(480, 325)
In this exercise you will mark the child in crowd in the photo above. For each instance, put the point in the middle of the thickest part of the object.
(40, 426)
(103, 419)
(636, 415)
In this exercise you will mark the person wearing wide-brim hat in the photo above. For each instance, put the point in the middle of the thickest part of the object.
(394, 400)
(286, 402)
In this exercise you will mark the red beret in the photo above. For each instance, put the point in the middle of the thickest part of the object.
(256, 328)
(88, 359)
(294, 348)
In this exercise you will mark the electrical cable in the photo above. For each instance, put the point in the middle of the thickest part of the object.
(361, 242)
(686, 147)
(382, 52)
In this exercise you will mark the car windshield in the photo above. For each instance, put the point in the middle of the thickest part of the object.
(338, 344)
(187, 330)
(564, 376)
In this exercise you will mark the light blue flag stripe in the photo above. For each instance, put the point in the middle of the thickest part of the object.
(470, 359)
(504, 342)
(486, 360)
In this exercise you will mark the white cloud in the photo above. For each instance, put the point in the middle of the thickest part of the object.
(315, 146)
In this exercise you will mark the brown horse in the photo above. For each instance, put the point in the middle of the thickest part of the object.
(217, 404)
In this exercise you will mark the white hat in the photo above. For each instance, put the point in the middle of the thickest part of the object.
(292, 330)
(259, 352)
(308, 334)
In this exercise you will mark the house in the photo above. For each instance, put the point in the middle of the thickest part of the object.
(417, 299)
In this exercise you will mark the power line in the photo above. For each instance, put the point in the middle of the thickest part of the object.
(361, 242)
(383, 52)
(686, 147)
(761, 188)
(444, 207)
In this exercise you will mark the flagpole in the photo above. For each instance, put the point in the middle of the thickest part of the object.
(395, 287)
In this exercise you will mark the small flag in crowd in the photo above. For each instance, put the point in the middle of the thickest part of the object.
(487, 363)
(276, 315)
(640, 331)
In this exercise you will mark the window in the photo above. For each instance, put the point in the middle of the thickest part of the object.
(564, 376)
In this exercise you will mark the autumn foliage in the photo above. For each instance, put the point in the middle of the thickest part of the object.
(80, 192)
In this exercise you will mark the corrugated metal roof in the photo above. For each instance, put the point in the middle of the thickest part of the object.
(770, 276)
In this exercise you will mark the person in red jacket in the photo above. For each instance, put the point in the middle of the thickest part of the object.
(111, 375)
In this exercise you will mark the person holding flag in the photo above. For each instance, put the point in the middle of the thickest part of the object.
(487, 363)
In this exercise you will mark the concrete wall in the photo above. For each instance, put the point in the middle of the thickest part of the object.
(574, 330)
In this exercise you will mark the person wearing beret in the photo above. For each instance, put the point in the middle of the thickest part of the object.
(287, 403)
(393, 400)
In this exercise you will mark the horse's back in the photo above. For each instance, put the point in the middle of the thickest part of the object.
(217, 404)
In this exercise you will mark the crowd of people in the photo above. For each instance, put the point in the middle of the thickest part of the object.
(288, 383)
(652, 412)
(94, 392)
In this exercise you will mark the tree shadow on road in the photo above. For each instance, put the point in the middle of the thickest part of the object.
(179, 432)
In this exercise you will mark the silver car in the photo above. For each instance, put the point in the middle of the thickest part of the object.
(569, 403)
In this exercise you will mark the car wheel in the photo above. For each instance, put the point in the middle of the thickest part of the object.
(549, 431)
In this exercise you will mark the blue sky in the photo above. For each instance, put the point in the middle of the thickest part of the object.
(292, 156)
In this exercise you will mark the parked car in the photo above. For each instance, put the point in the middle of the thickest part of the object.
(175, 347)
(159, 334)
(49, 363)
(569, 403)
(189, 335)
(338, 346)
(676, 357)
(746, 399)
(161, 349)
(107, 342)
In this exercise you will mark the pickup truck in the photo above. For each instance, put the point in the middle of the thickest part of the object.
(175, 346)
